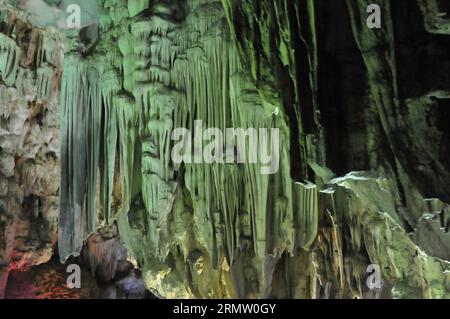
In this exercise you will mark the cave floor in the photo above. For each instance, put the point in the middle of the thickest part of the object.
(48, 281)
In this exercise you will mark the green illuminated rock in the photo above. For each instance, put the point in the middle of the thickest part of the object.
(224, 230)
(363, 145)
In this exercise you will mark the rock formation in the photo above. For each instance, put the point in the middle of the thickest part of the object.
(30, 71)
(362, 115)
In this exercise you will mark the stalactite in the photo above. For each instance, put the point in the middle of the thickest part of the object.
(89, 135)
(74, 96)
(44, 81)
(176, 73)
(225, 229)
(10, 56)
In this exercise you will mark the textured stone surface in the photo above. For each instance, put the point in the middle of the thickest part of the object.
(29, 143)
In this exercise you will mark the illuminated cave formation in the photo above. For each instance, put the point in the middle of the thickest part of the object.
(86, 122)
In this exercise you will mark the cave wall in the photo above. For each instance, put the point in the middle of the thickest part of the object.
(30, 71)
